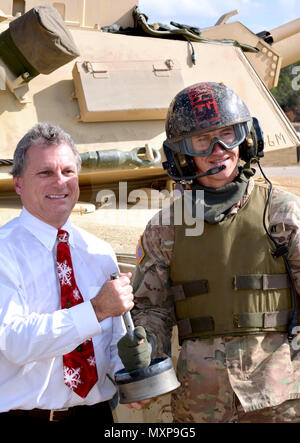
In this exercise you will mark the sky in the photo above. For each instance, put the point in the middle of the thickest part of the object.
(256, 15)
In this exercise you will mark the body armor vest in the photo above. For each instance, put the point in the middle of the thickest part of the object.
(226, 281)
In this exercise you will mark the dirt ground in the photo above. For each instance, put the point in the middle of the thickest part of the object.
(123, 239)
(284, 166)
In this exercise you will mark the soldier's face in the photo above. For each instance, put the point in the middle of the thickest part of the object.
(218, 157)
(49, 186)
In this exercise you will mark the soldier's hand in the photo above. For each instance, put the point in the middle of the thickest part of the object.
(114, 298)
(134, 350)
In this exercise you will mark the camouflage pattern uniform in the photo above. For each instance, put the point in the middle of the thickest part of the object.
(251, 378)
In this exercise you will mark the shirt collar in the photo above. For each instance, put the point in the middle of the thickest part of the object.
(45, 233)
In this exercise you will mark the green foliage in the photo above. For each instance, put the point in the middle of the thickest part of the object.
(287, 97)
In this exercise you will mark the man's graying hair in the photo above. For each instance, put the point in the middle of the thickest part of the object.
(44, 134)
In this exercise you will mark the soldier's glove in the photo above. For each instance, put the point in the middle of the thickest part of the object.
(134, 350)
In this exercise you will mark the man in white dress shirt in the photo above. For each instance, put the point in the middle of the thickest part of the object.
(35, 332)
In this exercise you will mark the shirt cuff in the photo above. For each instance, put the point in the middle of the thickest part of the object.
(85, 320)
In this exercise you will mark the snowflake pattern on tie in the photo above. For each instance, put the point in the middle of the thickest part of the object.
(79, 366)
(72, 377)
(76, 294)
(91, 361)
(64, 273)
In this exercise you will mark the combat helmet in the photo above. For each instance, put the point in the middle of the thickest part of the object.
(204, 107)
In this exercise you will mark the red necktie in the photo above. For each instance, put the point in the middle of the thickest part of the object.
(80, 372)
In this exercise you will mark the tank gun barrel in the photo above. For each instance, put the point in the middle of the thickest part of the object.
(286, 41)
(286, 30)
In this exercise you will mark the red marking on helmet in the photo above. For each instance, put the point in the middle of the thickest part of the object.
(204, 106)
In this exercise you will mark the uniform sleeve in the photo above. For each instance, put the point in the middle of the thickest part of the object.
(285, 226)
(118, 331)
(30, 336)
(154, 309)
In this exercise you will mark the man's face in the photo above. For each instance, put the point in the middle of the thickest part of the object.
(218, 157)
(49, 186)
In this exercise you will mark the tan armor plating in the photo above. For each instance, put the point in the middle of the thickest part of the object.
(226, 281)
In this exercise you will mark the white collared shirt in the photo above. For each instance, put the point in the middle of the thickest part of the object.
(34, 331)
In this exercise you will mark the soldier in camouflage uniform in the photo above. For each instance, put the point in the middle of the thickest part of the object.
(227, 288)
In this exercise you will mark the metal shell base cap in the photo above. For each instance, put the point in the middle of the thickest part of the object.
(140, 384)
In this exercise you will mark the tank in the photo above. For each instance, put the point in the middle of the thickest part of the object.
(104, 74)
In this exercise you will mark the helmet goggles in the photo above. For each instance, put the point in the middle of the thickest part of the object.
(202, 145)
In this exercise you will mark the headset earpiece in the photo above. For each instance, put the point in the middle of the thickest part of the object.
(178, 165)
(253, 145)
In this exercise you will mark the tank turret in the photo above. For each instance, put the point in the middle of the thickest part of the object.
(276, 48)
(110, 86)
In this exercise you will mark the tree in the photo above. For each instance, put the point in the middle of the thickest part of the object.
(287, 95)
